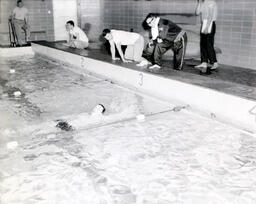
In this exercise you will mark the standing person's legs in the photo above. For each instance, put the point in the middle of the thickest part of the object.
(203, 52)
(18, 24)
(210, 45)
(26, 28)
(203, 47)
(178, 56)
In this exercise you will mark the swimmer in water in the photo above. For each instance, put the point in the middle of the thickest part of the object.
(97, 111)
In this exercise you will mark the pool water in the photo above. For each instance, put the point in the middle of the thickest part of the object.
(173, 156)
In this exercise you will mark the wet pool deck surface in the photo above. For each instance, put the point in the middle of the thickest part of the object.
(228, 79)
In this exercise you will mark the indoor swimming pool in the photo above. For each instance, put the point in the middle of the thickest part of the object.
(140, 151)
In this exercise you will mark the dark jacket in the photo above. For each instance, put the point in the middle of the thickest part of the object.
(168, 30)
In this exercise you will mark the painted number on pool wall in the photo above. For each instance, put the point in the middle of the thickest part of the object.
(82, 62)
(140, 79)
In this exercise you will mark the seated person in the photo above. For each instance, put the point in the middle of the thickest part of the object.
(20, 22)
(133, 41)
(165, 35)
(77, 37)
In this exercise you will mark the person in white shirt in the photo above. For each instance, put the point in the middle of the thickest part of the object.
(20, 21)
(208, 11)
(133, 41)
(77, 37)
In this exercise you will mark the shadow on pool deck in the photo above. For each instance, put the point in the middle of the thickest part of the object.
(228, 79)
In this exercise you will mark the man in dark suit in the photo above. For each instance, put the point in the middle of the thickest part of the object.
(165, 35)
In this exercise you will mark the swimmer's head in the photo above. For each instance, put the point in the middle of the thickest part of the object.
(98, 110)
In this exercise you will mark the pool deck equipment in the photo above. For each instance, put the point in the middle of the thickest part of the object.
(227, 95)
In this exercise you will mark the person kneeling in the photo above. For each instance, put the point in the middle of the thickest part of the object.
(77, 37)
(133, 41)
(165, 35)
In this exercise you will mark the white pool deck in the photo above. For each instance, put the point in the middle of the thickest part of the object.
(227, 108)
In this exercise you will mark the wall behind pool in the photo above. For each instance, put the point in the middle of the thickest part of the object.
(40, 19)
(236, 23)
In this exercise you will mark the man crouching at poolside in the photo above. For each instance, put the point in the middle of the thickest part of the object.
(77, 37)
(133, 41)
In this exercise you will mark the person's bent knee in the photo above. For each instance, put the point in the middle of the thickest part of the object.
(81, 44)
(138, 58)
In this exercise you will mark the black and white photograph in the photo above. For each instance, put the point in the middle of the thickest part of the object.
(127, 101)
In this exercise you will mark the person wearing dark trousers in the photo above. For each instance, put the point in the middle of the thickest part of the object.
(165, 35)
(208, 11)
